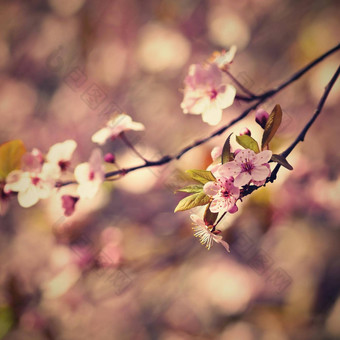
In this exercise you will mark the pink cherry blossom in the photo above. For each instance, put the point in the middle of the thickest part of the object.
(206, 94)
(206, 236)
(247, 166)
(32, 186)
(90, 175)
(114, 127)
(224, 195)
(60, 154)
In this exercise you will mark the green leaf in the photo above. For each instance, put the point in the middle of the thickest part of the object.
(209, 217)
(192, 201)
(226, 153)
(10, 156)
(192, 188)
(202, 176)
(272, 125)
(282, 161)
(6, 320)
(248, 143)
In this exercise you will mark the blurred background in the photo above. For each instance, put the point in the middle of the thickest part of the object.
(124, 266)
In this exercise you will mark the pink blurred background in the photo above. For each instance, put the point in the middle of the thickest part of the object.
(124, 266)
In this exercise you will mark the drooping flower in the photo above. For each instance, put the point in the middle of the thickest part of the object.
(206, 94)
(223, 59)
(61, 154)
(32, 186)
(247, 166)
(224, 195)
(90, 175)
(204, 233)
(114, 127)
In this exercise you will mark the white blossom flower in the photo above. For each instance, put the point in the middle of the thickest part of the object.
(32, 186)
(206, 236)
(225, 58)
(115, 127)
(90, 175)
(61, 154)
(206, 94)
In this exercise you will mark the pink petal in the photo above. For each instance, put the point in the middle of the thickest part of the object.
(242, 179)
(224, 244)
(218, 204)
(244, 156)
(229, 169)
(211, 188)
(197, 220)
(260, 173)
(263, 157)
(233, 209)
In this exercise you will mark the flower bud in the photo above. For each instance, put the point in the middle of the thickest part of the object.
(245, 131)
(261, 117)
(109, 158)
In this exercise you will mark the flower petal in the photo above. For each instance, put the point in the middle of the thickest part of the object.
(260, 173)
(226, 98)
(242, 179)
(101, 136)
(230, 169)
(28, 197)
(211, 188)
(263, 157)
(212, 115)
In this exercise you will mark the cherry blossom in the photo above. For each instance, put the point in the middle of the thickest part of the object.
(224, 194)
(247, 166)
(206, 236)
(61, 154)
(114, 127)
(205, 93)
(32, 186)
(90, 175)
(223, 59)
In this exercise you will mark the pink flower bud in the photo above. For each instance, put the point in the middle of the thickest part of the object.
(261, 117)
(245, 131)
(68, 204)
(109, 158)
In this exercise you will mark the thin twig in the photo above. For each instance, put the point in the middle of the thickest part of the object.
(259, 100)
(244, 89)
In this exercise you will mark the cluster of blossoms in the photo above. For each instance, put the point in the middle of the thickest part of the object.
(227, 179)
(34, 176)
(205, 91)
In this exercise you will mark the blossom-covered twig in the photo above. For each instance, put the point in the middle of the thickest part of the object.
(300, 138)
(259, 100)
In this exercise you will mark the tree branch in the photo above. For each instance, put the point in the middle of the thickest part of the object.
(259, 100)
(300, 138)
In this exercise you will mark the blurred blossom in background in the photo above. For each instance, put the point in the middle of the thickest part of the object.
(123, 266)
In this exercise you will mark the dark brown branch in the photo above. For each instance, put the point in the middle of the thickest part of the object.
(300, 138)
(259, 100)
